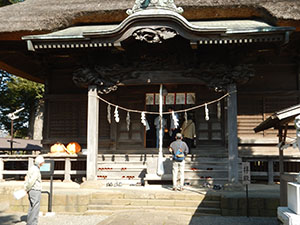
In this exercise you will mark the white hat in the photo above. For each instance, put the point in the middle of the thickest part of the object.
(39, 160)
(178, 135)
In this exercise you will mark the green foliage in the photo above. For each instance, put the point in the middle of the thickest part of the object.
(9, 2)
(16, 93)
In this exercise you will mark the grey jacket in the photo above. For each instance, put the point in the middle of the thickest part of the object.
(33, 180)
(175, 145)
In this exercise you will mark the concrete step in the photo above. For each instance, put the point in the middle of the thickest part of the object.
(205, 173)
(111, 212)
(163, 208)
(208, 166)
(113, 193)
(156, 202)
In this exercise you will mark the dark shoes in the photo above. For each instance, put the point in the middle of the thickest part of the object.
(175, 189)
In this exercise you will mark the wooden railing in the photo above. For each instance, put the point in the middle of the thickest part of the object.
(16, 165)
(267, 167)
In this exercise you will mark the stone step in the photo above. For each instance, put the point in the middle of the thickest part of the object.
(156, 202)
(113, 193)
(111, 212)
(205, 173)
(206, 166)
(163, 208)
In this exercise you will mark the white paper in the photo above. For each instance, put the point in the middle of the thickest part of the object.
(19, 194)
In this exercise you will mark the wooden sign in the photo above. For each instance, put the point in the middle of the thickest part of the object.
(246, 173)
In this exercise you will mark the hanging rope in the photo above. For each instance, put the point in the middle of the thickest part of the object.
(165, 113)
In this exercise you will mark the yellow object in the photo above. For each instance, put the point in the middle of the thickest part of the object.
(73, 148)
(180, 155)
(57, 148)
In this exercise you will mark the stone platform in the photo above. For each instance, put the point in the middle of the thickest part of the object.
(72, 198)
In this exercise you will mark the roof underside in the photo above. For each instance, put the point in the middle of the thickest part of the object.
(279, 119)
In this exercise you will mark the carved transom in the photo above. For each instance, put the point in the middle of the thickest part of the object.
(215, 76)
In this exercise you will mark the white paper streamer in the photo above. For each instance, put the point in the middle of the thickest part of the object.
(109, 114)
(117, 118)
(175, 119)
(219, 110)
(206, 112)
(143, 119)
(185, 116)
(128, 121)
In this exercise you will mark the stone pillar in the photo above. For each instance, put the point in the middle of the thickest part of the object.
(92, 133)
(67, 175)
(30, 162)
(233, 176)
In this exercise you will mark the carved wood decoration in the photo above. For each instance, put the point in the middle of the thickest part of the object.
(215, 75)
(154, 35)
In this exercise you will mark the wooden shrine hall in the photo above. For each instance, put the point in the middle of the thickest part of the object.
(227, 72)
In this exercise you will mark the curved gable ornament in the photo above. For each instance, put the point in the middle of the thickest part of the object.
(154, 4)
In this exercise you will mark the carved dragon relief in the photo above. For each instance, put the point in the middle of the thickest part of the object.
(156, 4)
(154, 35)
(216, 76)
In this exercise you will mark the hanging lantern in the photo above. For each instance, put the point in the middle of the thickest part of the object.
(109, 114)
(206, 112)
(73, 148)
(117, 118)
(58, 148)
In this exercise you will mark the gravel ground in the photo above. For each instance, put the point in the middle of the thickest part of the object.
(138, 218)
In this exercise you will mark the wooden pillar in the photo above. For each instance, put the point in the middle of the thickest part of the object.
(92, 133)
(233, 168)
(67, 176)
(283, 182)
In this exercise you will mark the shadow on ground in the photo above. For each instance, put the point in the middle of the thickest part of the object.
(9, 219)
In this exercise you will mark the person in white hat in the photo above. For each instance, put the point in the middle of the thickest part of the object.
(179, 150)
(33, 186)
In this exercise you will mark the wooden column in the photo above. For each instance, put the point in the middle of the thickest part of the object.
(283, 182)
(233, 176)
(92, 133)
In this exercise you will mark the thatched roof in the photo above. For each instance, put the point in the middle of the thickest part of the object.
(40, 16)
